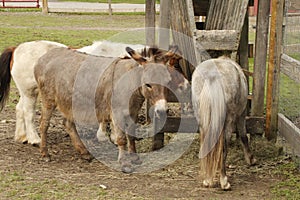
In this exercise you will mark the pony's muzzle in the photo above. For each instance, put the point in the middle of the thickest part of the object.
(184, 88)
(160, 108)
(160, 115)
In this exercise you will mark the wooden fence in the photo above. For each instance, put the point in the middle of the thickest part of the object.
(20, 4)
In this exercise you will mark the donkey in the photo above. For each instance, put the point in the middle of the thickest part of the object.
(121, 86)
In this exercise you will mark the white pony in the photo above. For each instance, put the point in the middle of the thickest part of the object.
(109, 49)
(219, 96)
(18, 63)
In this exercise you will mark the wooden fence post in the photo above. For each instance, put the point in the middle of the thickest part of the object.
(109, 8)
(275, 51)
(164, 24)
(260, 59)
(45, 7)
(150, 22)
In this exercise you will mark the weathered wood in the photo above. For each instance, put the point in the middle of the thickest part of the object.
(45, 9)
(290, 67)
(275, 50)
(254, 125)
(226, 15)
(164, 24)
(260, 59)
(150, 22)
(109, 8)
(243, 48)
(291, 48)
(183, 27)
(290, 132)
(218, 39)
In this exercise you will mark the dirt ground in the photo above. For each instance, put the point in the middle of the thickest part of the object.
(24, 175)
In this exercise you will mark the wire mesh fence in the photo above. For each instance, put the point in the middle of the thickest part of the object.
(289, 99)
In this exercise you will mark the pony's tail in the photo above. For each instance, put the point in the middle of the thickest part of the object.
(212, 114)
(5, 76)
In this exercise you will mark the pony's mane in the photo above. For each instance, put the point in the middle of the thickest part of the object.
(150, 52)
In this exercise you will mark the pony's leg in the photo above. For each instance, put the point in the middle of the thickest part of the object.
(44, 125)
(225, 185)
(241, 128)
(121, 141)
(101, 132)
(20, 133)
(204, 168)
(228, 129)
(135, 159)
(76, 141)
(29, 103)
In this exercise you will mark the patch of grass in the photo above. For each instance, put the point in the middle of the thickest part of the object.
(289, 187)
(73, 30)
(20, 10)
(73, 38)
(289, 102)
(14, 185)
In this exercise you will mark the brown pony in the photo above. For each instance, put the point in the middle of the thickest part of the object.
(89, 88)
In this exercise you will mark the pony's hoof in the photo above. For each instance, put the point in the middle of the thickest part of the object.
(227, 186)
(101, 136)
(127, 168)
(207, 183)
(46, 158)
(35, 141)
(135, 159)
(87, 157)
(21, 139)
(251, 160)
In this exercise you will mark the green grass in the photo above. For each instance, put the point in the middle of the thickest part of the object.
(24, 188)
(289, 187)
(73, 30)
(73, 38)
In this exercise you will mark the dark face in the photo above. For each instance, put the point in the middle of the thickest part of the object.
(155, 80)
(178, 84)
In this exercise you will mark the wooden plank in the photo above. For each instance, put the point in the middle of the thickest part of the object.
(226, 15)
(254, 125)
(292, 48)
(164, 24)
(260, 59)
(183, 28)
(217, 39)
(275, 50)
(290, 67)
(45, 8)
(290, 132)
(243, 48)
(150, 22)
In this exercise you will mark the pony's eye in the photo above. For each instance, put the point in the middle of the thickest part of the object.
(148, 86)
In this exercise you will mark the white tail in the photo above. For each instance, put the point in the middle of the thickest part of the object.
(210, 110)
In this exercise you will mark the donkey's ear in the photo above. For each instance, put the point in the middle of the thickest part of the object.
(174, 52)
(137, 57)
(173, 55)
